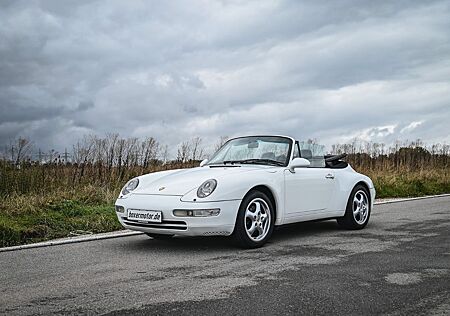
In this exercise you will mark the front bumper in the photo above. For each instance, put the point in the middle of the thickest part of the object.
(220, 225)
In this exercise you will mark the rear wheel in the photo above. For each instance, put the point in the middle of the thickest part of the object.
(255, 221)
(358, 209)
(159, 236)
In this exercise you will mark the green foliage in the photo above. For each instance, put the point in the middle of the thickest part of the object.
(412, 185)
(56, 219)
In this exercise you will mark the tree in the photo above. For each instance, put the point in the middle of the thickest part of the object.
(197, 149)
(20, 149)
(183, 152)
(222, 140)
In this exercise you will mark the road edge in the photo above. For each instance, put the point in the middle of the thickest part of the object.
(127, 233)
(73, 240)
(397, 200)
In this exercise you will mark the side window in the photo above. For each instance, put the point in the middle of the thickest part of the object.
(296, 151)
(314, 153)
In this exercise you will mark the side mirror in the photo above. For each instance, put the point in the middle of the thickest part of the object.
(204, 162)
(298, 163)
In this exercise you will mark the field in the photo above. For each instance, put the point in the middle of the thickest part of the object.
(41, 201)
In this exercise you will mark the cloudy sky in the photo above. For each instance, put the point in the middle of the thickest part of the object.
(330, 70)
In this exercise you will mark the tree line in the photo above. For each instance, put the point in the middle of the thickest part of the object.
(111, 160)
(401, 156)
(106, 161)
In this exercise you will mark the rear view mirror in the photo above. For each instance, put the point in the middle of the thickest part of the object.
(253, 145)
(298, 163)
(204, 162)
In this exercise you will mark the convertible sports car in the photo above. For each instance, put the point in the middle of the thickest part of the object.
(249, 186)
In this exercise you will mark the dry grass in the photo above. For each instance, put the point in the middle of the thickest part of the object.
(410, 184)
(45, 201)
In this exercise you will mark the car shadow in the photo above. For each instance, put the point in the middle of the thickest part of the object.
(304, 229)
(281, 234)
(182, 243)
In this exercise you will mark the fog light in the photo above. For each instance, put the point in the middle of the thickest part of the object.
(197, 213)
(120, 209)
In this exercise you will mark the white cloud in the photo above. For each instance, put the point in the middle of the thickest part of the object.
(411, 126)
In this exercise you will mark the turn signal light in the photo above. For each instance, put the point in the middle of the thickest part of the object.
(197, 213)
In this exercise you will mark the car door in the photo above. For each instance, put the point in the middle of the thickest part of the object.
(308, 192)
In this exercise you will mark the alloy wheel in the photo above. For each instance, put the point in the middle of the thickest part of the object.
(360, 207)
(257, 219)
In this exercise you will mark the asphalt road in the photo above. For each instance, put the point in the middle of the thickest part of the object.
(398, 265)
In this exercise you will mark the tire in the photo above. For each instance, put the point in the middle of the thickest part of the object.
(358, 209)
(255, 221)
(159, 236)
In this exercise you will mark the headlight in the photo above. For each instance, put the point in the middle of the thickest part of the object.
(206, 188)
(130, 186)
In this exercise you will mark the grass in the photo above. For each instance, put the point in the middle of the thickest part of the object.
(407, 184)
(37, 216)
(31, 217)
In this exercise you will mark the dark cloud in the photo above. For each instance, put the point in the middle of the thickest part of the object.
(85, 105)
(327, 70)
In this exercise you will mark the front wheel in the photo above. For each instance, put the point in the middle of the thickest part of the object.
(255, 221)
(357, 212)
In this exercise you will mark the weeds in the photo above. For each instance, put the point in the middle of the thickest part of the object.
(41, 201)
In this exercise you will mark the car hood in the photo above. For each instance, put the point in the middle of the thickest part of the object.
(182, 181)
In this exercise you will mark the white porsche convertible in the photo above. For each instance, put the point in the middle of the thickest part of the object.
(249, 186)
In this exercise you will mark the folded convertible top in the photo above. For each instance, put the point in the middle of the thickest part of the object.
(335, 162)
(335, 157)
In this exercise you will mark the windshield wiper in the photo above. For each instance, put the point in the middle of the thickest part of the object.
(263, 161)
(232, 162)
(255, 161)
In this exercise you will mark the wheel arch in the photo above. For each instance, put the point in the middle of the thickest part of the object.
(267, 191)
(348, 220)
(366, 186)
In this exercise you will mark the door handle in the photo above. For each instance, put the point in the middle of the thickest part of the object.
(329, 176)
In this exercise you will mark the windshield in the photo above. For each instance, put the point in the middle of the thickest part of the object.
(268, 150)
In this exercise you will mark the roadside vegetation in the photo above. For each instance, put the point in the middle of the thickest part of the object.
(403, 170)
(51, 195)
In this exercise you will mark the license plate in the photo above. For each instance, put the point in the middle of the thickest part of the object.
(145, 216)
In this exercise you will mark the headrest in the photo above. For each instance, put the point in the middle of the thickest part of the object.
(306, 153)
